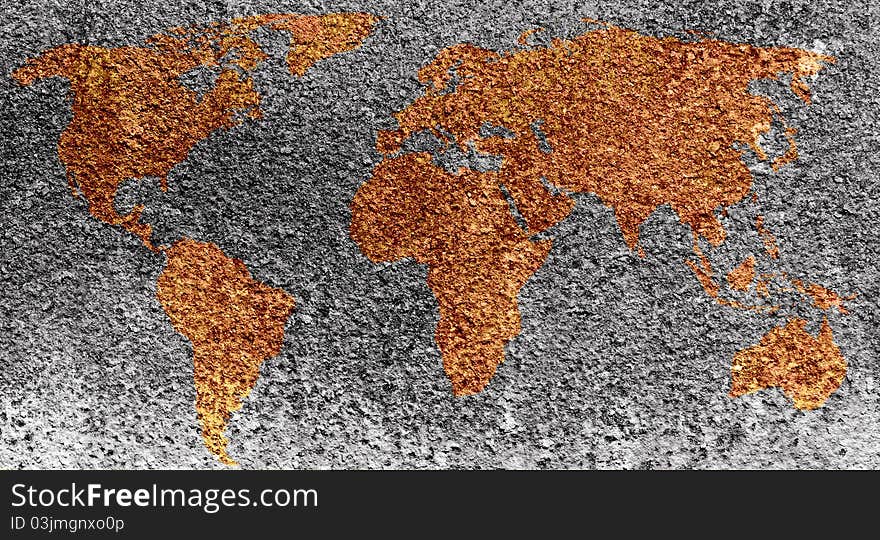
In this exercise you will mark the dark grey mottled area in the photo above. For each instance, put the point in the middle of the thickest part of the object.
(622, 361)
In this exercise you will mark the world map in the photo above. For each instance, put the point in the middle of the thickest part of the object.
(639, 121)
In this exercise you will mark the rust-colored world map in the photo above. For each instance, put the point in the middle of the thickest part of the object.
(133, 117)
(641, 122)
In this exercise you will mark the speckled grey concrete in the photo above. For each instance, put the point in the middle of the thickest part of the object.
(622, 361)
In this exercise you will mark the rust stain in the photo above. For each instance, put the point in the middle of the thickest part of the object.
(523, 38)
(132, 117)
(234, 323)
(317, 37)
(767, 237)
(823, 298)
(639, 121)
(791, 154)
(479, 258)
(762, 285)
(807, 368)
(742, 276)
(826, 299)
(704, 272)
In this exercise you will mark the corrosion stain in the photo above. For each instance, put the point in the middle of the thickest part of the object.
(132, 116)
(461, 226)
(823, 298)
(762, 285)
(234, 323)
(638, 121)
(742, 276)
(826, 299)
(704, 272)
(807, 368)
(767, 238)
(313, 38)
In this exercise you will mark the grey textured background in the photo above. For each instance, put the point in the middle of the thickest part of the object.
(622, 361)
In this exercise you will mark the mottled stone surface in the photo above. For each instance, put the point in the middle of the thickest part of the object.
(622, 361)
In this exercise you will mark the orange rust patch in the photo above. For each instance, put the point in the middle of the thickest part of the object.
(762, 285)
(639, 121)
(823, 298)
(234, 323)
(704, 273)
(791, 154)
(767, 237)
(742, 276)
(807, 368)
(523, 38)
(826, 299)
(479, 258)
(313, 38)
(132, 117)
